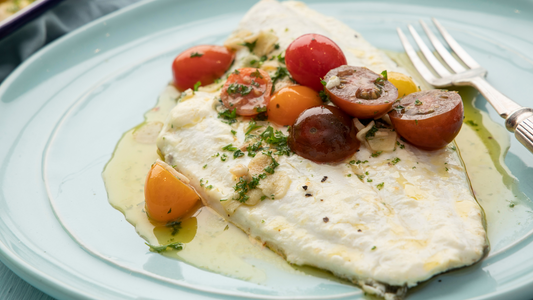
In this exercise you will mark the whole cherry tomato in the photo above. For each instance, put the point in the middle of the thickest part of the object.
(429, 119)
(248, 91)
(289, 102)
(203, 63)
(310, 57)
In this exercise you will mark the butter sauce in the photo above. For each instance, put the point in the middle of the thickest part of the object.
(213, 244)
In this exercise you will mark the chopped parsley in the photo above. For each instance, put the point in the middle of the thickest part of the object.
(223, 157)
(395, 160)
(175, 226)
(252, 126)
(400, 145)
(398, 108)
(374, 248)
(233, 132)
(228, 116)
(281, 72)
(250, 46)
(369, 180)
(229, 147)
(371, 132)
(377, 153)
(237, 154)
(197, 85)
(379, 186)
(273, 165)
(418, 102)
(471, 123)
(196, 54)
(256, 73)
(236, 88)
(159, 249)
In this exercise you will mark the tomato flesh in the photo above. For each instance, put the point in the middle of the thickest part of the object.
(323, 134)
(310, 57)
(289, 102)
(360, 92)
(247, 90)
(429, 119)
(204, 63)
(167, 198)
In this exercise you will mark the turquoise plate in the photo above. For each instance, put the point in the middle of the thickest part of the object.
(63, 111)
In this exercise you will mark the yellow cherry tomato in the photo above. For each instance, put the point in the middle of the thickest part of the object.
(289, 102)
(403, 83)
(167, 197)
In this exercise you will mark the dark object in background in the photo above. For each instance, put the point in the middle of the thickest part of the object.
(61, 19)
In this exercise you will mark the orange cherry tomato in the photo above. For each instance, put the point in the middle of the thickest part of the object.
(203, 63)
(167, 197)
(429, 119)
(288, 103)
(360, 92)
(247, 90)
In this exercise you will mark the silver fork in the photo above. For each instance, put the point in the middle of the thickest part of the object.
(518, 119)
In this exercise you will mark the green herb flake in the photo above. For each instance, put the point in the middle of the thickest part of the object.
(379, 186)
(226, 228)
(235, 88)
(175, 226)
(395, 160)
(349, 175)
(223, 157)
(453, 148)
(205, 166)
(229, 147)
(374, 248)
(371, 132)
(418, 102)
(159, 249)
(196, 54)
(228, 117)
(471, 123)
(402, 146)
(197, 85)
(256, 73)
(376, 154)
(369, 180)
(351, 162)
(250, 46)
(233, 132)
(237, 154)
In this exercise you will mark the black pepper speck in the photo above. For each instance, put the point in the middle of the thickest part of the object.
(304, 187)
(324, 179)
(326, 219)
(308, 195)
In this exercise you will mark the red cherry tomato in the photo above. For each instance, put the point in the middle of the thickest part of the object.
(429, 119)
(248, 91)
(360, 92)
(289, 102)
(203, 63)
(310, 57)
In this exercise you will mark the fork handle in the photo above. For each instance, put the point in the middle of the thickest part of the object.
(503, 105)
(518, 119)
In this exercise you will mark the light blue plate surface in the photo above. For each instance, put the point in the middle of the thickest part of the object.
(63, 111)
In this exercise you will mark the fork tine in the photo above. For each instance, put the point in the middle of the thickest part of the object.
(437, 66)
(417, 62)
(461, 53)
(448, 58)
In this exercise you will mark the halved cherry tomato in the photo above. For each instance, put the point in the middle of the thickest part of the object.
(324, 134)
(289, 102)
(203, 63)
(310, 57)
(167, 197)
(247, 90)
(360, 92)
(429, 119)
